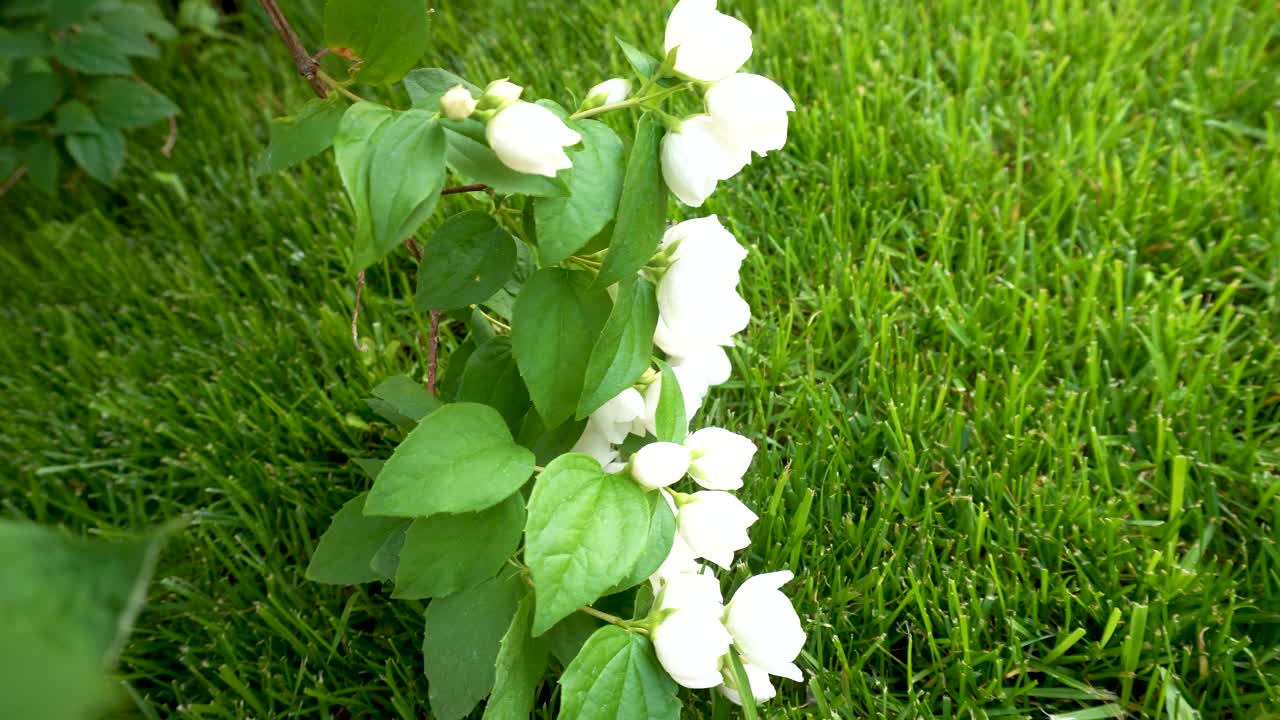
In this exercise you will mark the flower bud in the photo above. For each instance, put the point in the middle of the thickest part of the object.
(765, 626)
(457, 104)
(719, 458)
(607, 93)
(499, 94)
(711, 45)
(659, 464)
(714, 524)
(530, 139)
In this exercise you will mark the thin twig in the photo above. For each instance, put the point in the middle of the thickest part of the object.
(13, 179)
(355, 314)
(307, 66)
(414, 248)
(433, 351)
(167, 149)
(464, 189)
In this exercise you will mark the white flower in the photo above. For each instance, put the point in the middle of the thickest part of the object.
(706, 241)
(608, 92)
(692, 389)
(698, 300)
(530, 139)
(623, 414)
(697, 156)
(680, 561)
(719, 458)
(765, 626)
(709, 363)
(659, 464)
(691, 638)
(761, 689)
(714, 524)
(751, 111)
(712, 45)
(596, 444)
(457, 104)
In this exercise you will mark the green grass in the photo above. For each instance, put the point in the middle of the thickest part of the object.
(1013, 365)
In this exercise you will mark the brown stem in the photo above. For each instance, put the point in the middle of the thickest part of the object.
(433, 351)
(307, 66)
(7, 185)
(355, 313)
(414, 248)
(463, 189)
(172, 139)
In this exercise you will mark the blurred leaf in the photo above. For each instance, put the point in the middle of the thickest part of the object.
(29, 96)
(427, 85)
(74, 117)
(19, 44)
(126, 104)
(93, 52)
(101, 155)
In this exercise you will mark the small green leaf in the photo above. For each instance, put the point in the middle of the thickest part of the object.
(460, 458)
(565, 224)
(297, 137)
(670, 417)
(134, 24)
(386, 561)
(444, 554)
(22, 44)
(346, 549)
(464, 262)
(8, 161)
(460, 645)
(475, 161)
(101, 155)
(74, 116)
(492, 379)
(621, 353)
(567, 637)
(642, 62)
(661, 534)
(585, 531)
(42, 164)
(125, 104)
(427, 85)
(555, 323)
(407, 397)
(29, 96)
(93, 53)
(392, 164)
(522, 660)
(642, 211)
(388, 37)
(617, 675)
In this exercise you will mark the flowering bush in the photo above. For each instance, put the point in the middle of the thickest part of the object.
(595, 334)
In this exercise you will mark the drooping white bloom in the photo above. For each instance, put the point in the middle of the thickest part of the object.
(457, 103)
(719, 458)
(693, 389)
(659, 464)
(761, 689)
(708, 362)
(595, 443)
(697, 156)
(714, 524)
(765, 627)
(530, 139)
(712, 45)
(698, 300)
(608, 92)
(691, 639)
(751, 111)
(609, 425)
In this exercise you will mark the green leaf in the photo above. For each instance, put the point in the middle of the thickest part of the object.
(503, 301)
(407, 397)
(617, 675)
(744, 685)
(132, 25)
(585, 531)
(74, 116)
(464, 262)
(386, 561)
(567, 637)
(444, 554)
(455, 367)
(24, 8)
(392, 164)
(68, 606)
(42, 164)
(522, 660)
(29, 96)
(93, 53)
(461, 643)
(548, 444)
(642, 62)
(297, 137)
(565, 224)
(125, 104)
(622, 352)
(492, 379)
(346, 549)
(8, 161)
(21, 44)
(458, 459)
(388, 37)
(101, 155)
(475, 161)
(670, 419)
(554, 325)
(661, 533)
(642, 211)
(65, 13)
(427, 85)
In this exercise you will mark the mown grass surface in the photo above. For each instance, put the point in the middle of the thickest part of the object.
(1013, 368)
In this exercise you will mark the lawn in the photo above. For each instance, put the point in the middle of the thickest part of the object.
(1013, 366)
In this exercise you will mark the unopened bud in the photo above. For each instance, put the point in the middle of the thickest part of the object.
(499, 94)
(457, 104)
(607, 93)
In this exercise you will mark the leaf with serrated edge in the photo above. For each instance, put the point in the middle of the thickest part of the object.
(617, 675)
(446, 553)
